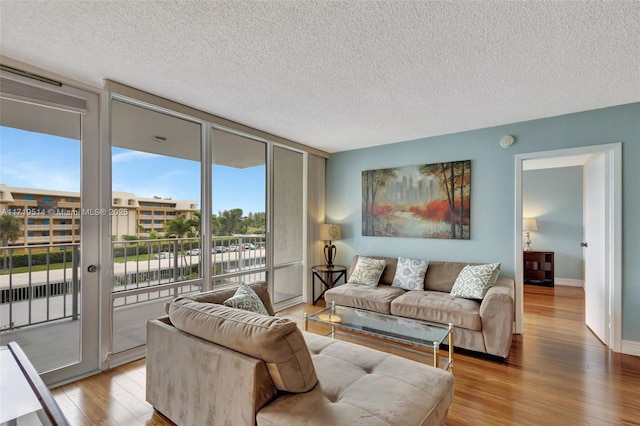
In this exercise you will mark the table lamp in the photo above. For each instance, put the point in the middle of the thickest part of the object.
(528, 225)
(330, 232)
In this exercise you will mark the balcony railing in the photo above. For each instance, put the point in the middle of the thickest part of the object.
(41, 283)
(30, 293)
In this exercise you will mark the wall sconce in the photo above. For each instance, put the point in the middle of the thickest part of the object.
(528, 225)
(330, 232)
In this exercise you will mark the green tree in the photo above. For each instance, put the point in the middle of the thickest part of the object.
(9, 231)
(179, 227)
(232, 222)
(215, 225)
(196, 220)
(257, 222)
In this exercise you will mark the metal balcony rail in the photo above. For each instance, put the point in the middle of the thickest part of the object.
(31, 292)
(41, 283)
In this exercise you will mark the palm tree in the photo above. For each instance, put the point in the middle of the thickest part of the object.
(9, 231)
(178, 227)
(153, 235)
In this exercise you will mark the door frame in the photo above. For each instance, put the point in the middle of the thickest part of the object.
(613, 257)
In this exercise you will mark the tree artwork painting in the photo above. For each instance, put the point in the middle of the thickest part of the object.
(425, 201)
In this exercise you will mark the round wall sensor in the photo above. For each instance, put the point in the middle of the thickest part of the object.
(507, 141)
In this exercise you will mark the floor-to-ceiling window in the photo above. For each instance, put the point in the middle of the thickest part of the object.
(197, 206)
(239, 208)
(155, 204)
(155, 225)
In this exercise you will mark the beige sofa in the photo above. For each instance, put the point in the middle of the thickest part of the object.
(210, 364)
(483, 326)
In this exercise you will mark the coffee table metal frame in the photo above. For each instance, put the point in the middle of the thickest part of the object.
(408, 331)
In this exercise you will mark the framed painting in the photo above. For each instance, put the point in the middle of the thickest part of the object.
(424, 201)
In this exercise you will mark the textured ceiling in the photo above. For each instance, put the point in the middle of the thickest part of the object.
(344, 75)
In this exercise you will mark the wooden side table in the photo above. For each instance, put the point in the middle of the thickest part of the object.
(539, 268)
(332, 274)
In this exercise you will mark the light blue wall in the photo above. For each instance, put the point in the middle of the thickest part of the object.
(493, 191)
(554, 198)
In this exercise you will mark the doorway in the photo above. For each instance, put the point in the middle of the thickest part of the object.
(607, 311)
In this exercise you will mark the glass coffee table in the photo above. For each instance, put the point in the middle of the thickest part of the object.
(356, 322)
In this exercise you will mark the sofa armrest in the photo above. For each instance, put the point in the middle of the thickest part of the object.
(195, 382)
(496, 313)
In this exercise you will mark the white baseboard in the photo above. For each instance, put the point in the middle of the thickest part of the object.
(630, 347)
(569, 282)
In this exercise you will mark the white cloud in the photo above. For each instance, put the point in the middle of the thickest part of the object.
(133, 156)
(40, 174)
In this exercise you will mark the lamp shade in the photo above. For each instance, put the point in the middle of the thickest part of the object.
(529, 224)
(330, 232)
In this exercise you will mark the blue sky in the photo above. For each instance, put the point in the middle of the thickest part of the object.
(35, 160)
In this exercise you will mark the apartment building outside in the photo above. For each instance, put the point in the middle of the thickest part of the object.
(53, 217)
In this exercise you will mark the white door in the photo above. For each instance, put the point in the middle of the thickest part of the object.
(596, 288)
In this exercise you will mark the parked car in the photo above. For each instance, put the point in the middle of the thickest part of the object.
(193, 252)
(163, 255)
(219, 249)
(248, 246)
(233, 248)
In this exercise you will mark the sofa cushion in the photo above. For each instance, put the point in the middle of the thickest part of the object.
(367, 271)
(219, 295)
(441, 275)
(247, 299)
(410, 274)
(474, 280)
(277, 341)
(359, 385)
(438, 307)
(376, 299)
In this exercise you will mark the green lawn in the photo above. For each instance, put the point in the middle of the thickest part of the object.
(35, 268)
(53, 266)
(139, 258)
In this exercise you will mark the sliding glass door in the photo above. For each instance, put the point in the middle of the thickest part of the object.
(49, 209)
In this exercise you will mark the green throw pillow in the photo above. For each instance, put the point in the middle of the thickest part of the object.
(246, 299)
(474, 281)
(367, 271)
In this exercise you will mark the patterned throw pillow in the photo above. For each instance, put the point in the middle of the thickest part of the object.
(367, 271)
(410, 274)
(247, 299)
(474, 281)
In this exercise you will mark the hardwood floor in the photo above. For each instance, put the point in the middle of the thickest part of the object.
(557, 373)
